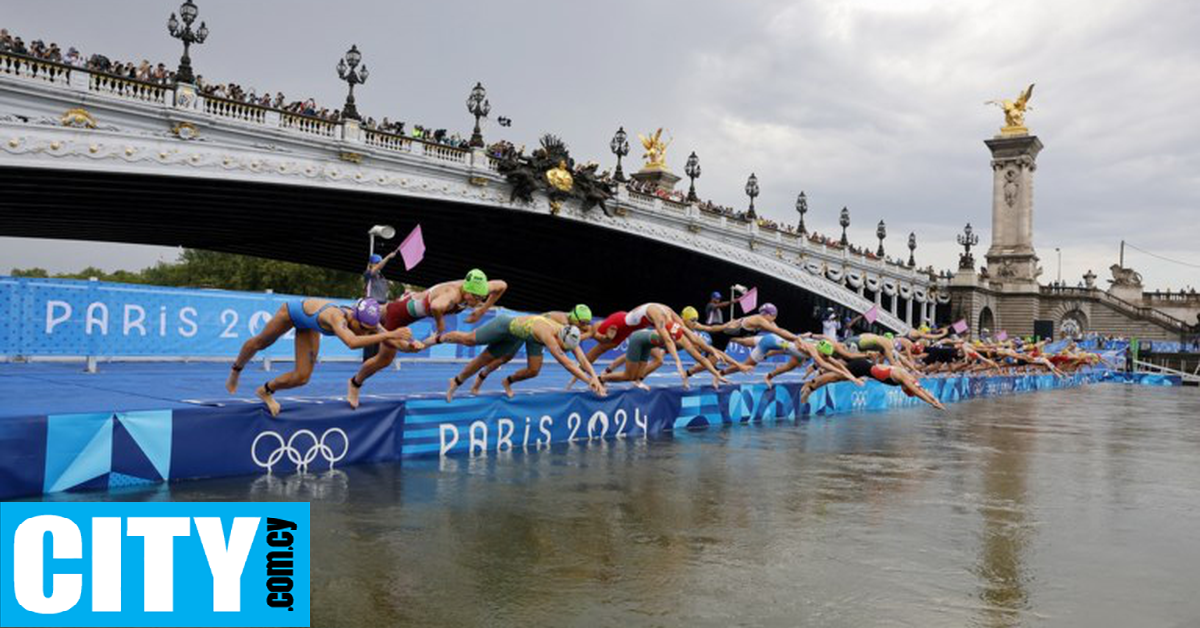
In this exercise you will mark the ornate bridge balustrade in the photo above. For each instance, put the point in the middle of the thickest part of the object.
(63, 117)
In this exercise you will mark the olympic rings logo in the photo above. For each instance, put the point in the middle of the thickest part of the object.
(858, 399)
(318, 447)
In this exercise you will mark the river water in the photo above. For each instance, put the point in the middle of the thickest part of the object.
(1077, 507)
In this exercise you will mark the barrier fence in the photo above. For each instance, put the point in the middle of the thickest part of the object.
(78, 318)
(45, 454)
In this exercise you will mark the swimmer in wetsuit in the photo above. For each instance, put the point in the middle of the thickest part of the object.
(643, 345)
(884, 374)
(356, 327)
(439, 301)
(691, 342)
(820, 352)
(451, 297)
(504, 335)
(579, 316)
(619, 325)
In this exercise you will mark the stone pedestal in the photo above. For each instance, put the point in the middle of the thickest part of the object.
(1011, 260)
(661, 179)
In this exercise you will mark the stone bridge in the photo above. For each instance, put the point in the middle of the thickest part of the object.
(90, 156)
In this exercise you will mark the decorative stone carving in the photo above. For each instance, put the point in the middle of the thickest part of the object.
(1124, 277)
(1011, 187)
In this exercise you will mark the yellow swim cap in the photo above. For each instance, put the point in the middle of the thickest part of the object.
(689, 314)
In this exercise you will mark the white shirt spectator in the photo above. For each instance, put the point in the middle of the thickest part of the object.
(830, 327)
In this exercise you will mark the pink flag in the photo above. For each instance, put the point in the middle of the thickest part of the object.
(412, 249)
(749, 301)
(1001, 336)
(871, 315)
(960, 327)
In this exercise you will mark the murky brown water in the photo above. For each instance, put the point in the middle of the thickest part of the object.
(1078, 507)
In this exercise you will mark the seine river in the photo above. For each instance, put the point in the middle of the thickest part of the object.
(1078, 507)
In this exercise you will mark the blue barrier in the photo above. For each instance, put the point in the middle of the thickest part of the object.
(68, 317)
(43, 454)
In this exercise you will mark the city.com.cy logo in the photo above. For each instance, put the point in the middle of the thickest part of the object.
(154, 563)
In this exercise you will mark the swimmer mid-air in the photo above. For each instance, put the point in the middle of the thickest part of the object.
(356, 327)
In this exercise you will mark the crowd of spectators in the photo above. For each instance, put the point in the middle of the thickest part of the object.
(502, 148)
(650, 189)
(418, 132)
(159, 73)
(38, 49)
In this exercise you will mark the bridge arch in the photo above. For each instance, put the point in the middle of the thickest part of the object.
(276, 186)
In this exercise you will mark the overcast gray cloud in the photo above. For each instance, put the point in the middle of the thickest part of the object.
(872, 104)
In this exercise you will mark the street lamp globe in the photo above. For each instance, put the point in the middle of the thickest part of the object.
(353, 56)
(188, 12)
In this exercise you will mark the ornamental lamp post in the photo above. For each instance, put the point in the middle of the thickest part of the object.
(692, 170)
(752, 191)
(881, 233)
(844, 221)
(802, 208)
(479, 106)
(620, 147)
(188, 12)
(348, 70)
(967, 239)
(912, 247)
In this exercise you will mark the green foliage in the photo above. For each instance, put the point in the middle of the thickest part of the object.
(207, 269)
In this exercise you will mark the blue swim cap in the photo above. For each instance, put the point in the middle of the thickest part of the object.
(368, 312)
(768, 309)
(376, 258)
(716, 295)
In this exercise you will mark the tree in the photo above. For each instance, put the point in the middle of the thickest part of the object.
(208, 269)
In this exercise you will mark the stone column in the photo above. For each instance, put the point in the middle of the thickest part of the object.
(1011, 259)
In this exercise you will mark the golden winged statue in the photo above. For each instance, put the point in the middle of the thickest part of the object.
(656, 150)
(1014, 112)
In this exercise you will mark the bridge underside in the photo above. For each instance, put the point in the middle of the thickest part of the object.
(549, 262)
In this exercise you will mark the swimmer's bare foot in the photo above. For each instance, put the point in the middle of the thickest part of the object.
(269, 399)
(478, 384)
(454, 384)
(231, 384)
(804, 393)
(767, 379)
(507, 387)
(641, 385)
(352, 394)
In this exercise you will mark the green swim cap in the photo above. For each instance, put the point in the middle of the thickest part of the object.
(889, 335)
(825, 347)
(476, 283)
(581, 314)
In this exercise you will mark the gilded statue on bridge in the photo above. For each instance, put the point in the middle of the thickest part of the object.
(1014, 112)
(656, 151)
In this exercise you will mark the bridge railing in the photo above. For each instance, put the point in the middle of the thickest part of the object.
(130, 89)
(236, 110)
(33, 68)
(1139, 311)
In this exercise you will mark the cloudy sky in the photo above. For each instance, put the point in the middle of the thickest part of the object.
(872, 104)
